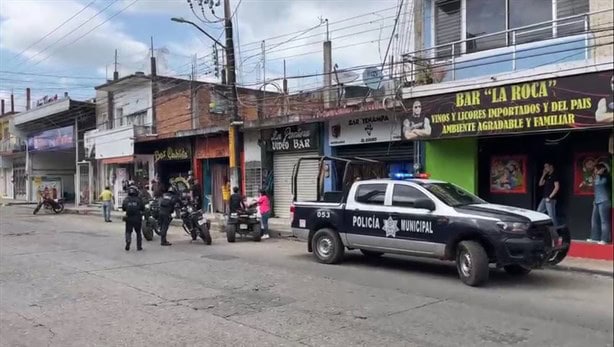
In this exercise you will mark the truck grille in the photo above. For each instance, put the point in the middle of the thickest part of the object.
(540, 231)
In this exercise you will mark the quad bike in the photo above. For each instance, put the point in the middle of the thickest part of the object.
(150, 220)
(194, 223)
(56, 205)
(244, 222)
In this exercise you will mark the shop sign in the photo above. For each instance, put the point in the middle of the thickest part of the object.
(295, 138)
(172, 153)
(60, 138)
(364, 129)
(564, 103)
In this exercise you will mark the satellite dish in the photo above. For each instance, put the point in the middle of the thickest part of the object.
(344, 77)
(372, 77)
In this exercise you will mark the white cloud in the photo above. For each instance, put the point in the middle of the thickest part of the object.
(25, 22)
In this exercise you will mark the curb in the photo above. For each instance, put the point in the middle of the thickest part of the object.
(571, 268)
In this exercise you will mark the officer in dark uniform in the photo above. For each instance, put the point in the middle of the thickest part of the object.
(134, 207)
(168, 201)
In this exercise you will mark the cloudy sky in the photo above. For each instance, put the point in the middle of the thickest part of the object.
(54, 46)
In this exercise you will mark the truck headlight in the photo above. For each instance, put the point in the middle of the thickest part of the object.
(513, 227)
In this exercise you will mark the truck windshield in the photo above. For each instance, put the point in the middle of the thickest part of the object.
(452, 195)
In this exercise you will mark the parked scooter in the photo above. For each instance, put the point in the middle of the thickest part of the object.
(55, 205)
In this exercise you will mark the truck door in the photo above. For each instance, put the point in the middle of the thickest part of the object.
(418, 227)
(364, 213)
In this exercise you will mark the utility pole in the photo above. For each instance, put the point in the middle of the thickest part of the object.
(328, 63)
(235, 121)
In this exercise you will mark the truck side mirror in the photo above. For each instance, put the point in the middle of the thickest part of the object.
(424, 203)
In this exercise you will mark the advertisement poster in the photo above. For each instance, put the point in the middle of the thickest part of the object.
(564, 103)
(584, 170)
(508, 174)
(365, 129)
(60, 138)
(48, 186)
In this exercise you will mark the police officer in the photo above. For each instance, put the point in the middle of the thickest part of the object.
(167, 206)
(134, 207)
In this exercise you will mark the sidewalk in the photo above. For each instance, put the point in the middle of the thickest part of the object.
(592, 266)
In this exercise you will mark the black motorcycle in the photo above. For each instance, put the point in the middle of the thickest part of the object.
(150, 219)
(194, 222)
(243, 222)
(55, 205)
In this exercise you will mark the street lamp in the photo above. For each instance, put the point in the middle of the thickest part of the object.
(182, 20)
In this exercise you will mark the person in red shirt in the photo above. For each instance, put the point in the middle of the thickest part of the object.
(264, 207)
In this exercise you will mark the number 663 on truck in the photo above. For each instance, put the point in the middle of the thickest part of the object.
(413, 215)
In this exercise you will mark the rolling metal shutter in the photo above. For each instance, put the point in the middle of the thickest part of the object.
(393, 151)
(283, 163)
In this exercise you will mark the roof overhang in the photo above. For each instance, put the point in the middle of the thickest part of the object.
(124, 83)
(54, 115)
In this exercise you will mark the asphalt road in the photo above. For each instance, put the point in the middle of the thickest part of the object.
(66, 280)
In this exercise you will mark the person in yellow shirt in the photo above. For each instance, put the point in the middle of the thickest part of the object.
(107, 203)
(226, 194)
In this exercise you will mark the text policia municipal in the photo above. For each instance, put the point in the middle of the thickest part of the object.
(406, 225)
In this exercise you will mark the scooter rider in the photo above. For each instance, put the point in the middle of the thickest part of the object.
(134, 207)
(167, 206)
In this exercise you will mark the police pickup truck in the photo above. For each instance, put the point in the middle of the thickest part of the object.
(428, 218)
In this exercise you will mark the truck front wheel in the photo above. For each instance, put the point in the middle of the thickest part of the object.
(472, 263)
(327, 246)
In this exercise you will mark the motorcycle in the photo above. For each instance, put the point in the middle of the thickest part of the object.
(56, 205)
(243, 222)
(194, 223)
(150, 219)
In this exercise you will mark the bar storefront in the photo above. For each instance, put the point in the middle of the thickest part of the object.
(494, 141)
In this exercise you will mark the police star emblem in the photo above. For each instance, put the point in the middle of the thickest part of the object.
(390, 227)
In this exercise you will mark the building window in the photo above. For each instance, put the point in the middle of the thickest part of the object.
(447, 26)
(136, 118)
(456, 20)
(519, 16)
(119, 117)
(253, 178)
(485, 17)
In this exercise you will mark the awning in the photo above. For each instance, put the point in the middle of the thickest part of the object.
(119, 160)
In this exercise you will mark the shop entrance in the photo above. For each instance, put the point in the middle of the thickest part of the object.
(215, 174)
(173, 169)
(509, 169)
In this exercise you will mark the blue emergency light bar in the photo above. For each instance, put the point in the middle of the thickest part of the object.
(404, 176)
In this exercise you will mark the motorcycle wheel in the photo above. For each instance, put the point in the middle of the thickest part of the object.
(148, 233)
(59, 208)
(205, 235)
(231, 233)
(193, 234)
(38, 208)
(155, 227)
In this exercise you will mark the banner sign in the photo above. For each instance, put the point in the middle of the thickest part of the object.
(172, 153)
(60, 138)
(564, 103)
(365, 129)
(295, 138)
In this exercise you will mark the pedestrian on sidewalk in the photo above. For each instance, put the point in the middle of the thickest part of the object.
(264, 207)
(134, 207)
(107, 203)
(550, 183)
(226, 195)
(602, 204)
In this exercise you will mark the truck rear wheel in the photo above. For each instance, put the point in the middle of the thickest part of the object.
(327, 246)
(472, 263)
